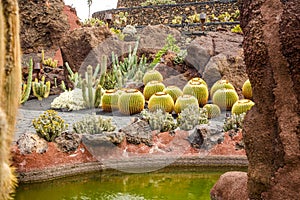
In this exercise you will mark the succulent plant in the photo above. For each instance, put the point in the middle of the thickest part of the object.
(110, 100)
(152, 75)
(225, 98)
(69, 100)
(191, 116)
(247, 89)
(173, 91)
(26, 88)
(242, 106)
(75, 78)
(185, 101)
(49, 125)
(197, 89)
(220, 84)
(40, 88)
(93, 124)
(198, 79)
(162, 101)
(159, 120)
(49, 62)
(131, 101)
(152, 87)
(234, 122)
(213, 110)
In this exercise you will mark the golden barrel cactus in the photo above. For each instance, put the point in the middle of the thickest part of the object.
(241, 106)
(110, 100)
(152, 75)
(152, 87)
(247, 90)
(198, 79)
(131, 102)
(161, 100)
(225, 98)
(173, 91)
(197, 89)
(184, 101)
(213, 110)
(220, 84)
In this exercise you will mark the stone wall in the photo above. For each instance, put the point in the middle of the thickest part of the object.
(164, 14)
(130, 3)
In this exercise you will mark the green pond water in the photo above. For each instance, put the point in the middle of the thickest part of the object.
(170, 184)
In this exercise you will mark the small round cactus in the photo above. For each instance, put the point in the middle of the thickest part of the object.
(173, 91)
(152, 75)
(152, 87)
(241, 106)
(131, 102)
(247, 90)
(161, 100)
(197, 89)
(213, 110)
(225, 98)
(184, 101)
(110, 100)
(220, 84)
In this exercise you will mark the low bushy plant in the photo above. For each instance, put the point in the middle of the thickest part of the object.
(234, 122)
(159, 120)
(191, 117)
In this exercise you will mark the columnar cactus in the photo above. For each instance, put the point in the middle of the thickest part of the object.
(225, 98)
(10, 90)
(241, 106)
(49, 62)
(152, 87)
(173, 91)
(247, 90)
(213, 110)
(197, 89)
(162, 101)
(220, 84)
(185, 101)
(26, 89)
(131, 102)
(110, 100)
(40, 88)
(152, 75)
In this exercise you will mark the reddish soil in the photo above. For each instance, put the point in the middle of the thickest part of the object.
(164, 144)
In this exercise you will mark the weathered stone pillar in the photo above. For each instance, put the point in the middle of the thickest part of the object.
(272, 128)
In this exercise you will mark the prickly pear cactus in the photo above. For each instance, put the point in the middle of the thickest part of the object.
(110, 100)
(173, 91)
(225, 98)
(242, 106)
(131, 102)
(152, 75)
(184, 101)
(198, 90)
(161, 101)
(247, 90)
(220, 84)
(152, 87)
(213, 110)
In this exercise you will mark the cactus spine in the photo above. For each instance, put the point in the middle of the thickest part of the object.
(40, 88)
(131, 102)
(152, 75)
(162, 101)
(225, 98)
(152, 87)
(27, 87)
(247, 90)
(213, 110)
(241, 106)
(174, 92)
(10, 90)
(110, 100)
(185, 101)
(198, 90)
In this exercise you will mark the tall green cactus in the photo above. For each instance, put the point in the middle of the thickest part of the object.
(10, 89)
(40, 88)
(27, 87)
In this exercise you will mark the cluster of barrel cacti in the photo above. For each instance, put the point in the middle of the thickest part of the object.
(93, 124)
(49, 125)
